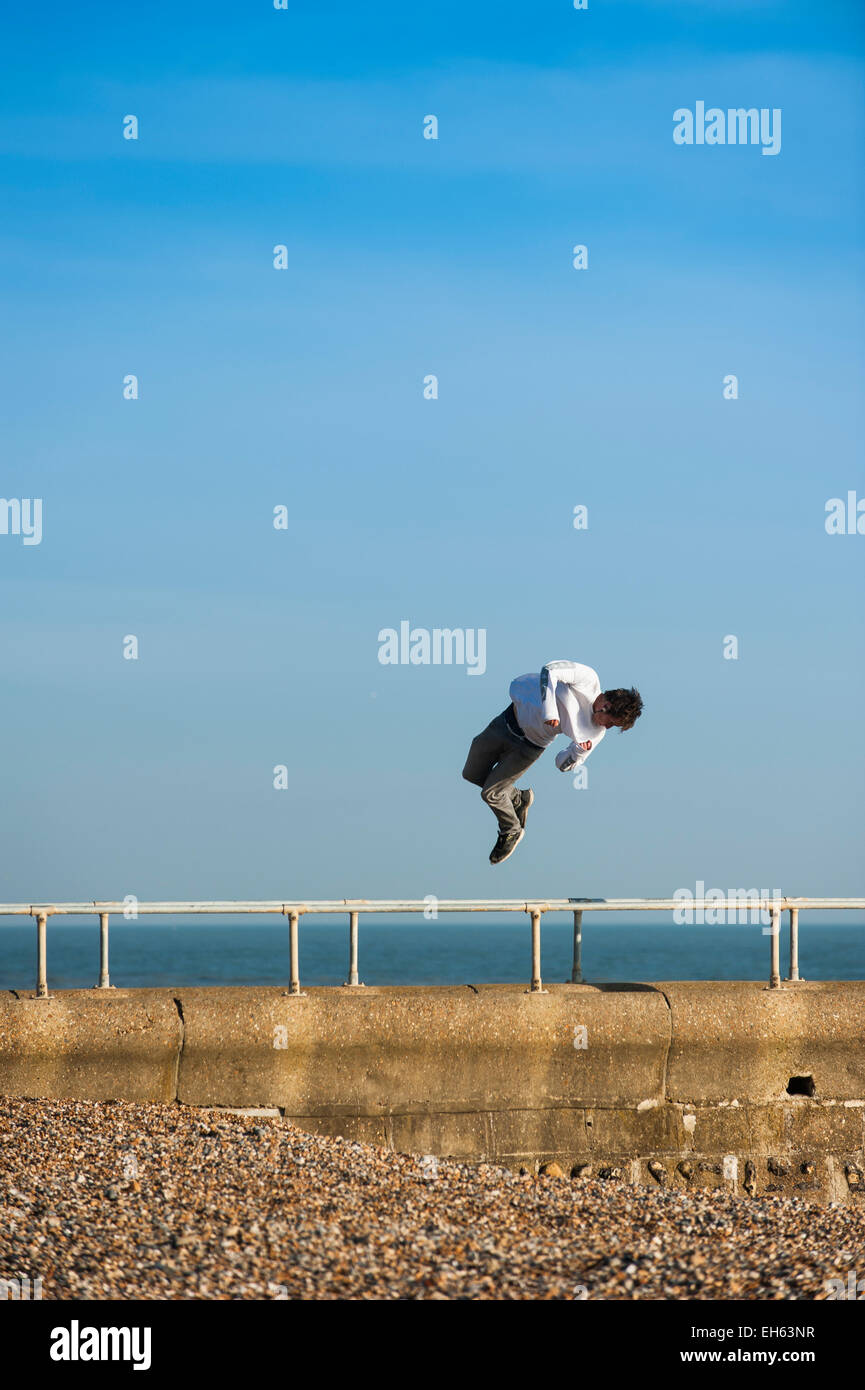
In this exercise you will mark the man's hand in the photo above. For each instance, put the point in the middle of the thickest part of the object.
(553, 723)
(568, 759)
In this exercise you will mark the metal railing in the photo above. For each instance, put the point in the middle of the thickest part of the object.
(768, 908)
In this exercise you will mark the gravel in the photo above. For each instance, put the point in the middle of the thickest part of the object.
(120, 1201)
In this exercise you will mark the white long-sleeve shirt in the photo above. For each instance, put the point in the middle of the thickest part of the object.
(562, 690)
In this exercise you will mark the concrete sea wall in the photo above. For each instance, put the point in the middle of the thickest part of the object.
(686, 1085)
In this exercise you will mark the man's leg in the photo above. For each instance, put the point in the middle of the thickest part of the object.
(498, 786)
(484, 753)
(496, 760)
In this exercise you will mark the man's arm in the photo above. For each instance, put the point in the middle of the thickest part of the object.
(572, 758)
(576, 752)
(565, 673)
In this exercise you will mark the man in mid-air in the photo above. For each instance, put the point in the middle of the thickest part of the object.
(563, 698)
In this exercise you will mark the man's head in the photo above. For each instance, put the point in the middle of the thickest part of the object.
(617, 709)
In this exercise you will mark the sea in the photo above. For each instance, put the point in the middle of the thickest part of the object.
(413, 951)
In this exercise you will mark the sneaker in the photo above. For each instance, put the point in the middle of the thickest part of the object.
(505, 845)
(522, 806)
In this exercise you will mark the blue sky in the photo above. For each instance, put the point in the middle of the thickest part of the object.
(304, 388)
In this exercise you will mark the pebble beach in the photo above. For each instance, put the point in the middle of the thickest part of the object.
(121, 1201)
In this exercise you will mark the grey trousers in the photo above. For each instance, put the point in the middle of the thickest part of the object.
(496, 759)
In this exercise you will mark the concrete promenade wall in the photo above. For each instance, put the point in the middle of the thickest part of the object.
(682, 1084)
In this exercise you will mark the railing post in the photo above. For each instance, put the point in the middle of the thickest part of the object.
(536, 987)
(41, 956)
(294, 976)
(352, 950)
(794, 943)
(577, 970)
(103, 952)
(775, 933)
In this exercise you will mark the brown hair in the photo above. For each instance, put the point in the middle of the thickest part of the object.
(626, 706)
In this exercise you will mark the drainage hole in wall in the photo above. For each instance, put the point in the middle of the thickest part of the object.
(801, 1086)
